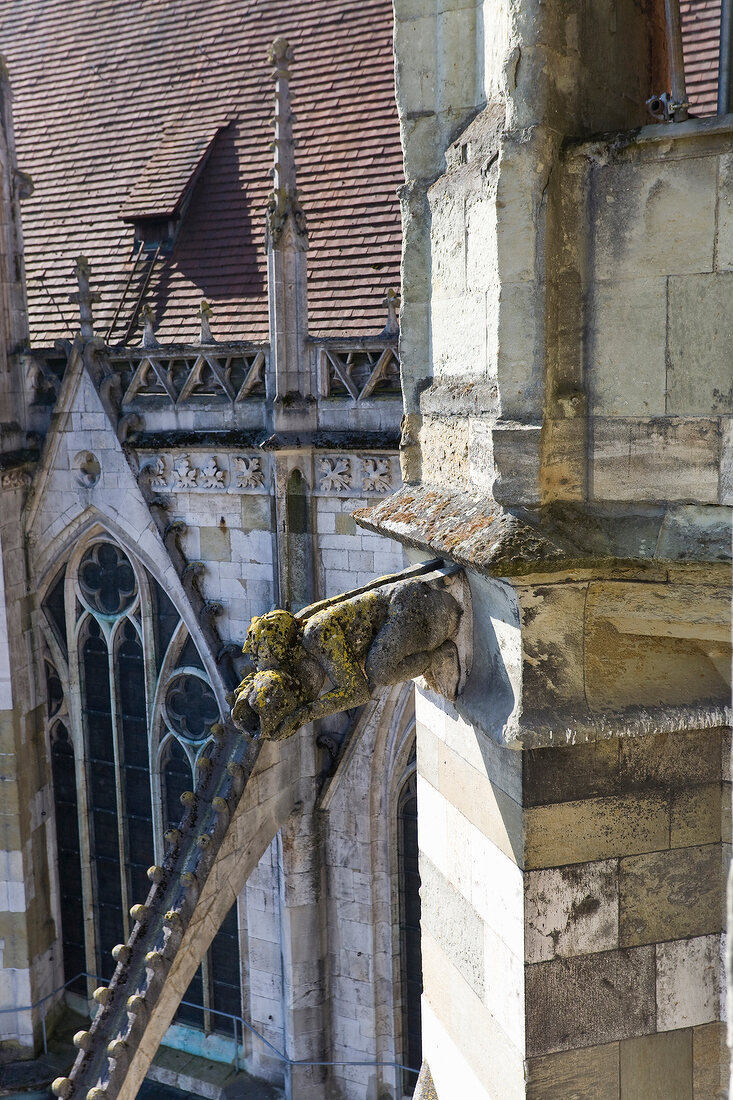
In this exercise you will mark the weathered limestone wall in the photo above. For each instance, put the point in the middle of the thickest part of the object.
(29, 968)
(572, 902)
(660, 395)
(27, 930)
(567, 392)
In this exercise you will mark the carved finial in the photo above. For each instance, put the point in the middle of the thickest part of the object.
(148, 340)
(284, 198)
(392, 301)
(205, 313)
(84, 297)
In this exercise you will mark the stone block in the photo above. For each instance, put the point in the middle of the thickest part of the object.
(589, 1000)
(650, 460)
(571, 910)
(256, 513)
(688, 982)
(345, 524)
(504, 985)
(571, 772)
(688, 526)
(497, 892)
(416, 81)
(215, 544)
(695, 816)
(596, 828)
(724, 252)
(428, 747)
(452, 1018)
(627, 343)
(589, 1074)
(726, 795)
(564, 458)
(460, 831)
(520, 364)
(552, 644)
(710, 1058)
(431, 824)
(460, 335)
(657, 1067)
(670, 761)
(700, 334)
(654, 644)
(635, 235)
(482, 802)
(516, 455)
(670, 895)
(454, 923)
(725, 495)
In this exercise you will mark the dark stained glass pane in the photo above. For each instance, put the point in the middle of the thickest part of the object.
(191, 706)
(410, 953)
(190, 656)
(103, 796)
(130, 672)
(54, 690)
(166, 620)
(69, 858)
(177, 778)
(194, 995)
(224, 971)
(107, 579)
(55, 607)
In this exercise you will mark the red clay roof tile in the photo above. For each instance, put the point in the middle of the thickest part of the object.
(98, 86)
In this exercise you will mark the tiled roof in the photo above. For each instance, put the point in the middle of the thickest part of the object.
(101, 85)
(164, 182)
(700, 37)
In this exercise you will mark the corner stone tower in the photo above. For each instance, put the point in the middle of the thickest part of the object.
(565, 340)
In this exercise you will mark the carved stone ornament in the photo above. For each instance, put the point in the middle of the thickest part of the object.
(247, 472)
(185, 474)
(15, 479)
(376, 474)
(211, 476)
(158, 475)
(335, 474)
(390, 633)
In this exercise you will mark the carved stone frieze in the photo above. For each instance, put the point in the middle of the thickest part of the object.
(184, 473)
(211, 476)
(335, 474)
(376, 475)
(203, 473)
(247, 472)
(358, 474)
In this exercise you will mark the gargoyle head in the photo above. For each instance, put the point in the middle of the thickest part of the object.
(271, 639)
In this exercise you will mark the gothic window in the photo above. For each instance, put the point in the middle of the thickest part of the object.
(410, 954)
(139, 717)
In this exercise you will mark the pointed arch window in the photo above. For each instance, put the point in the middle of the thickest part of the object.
(140, 717)
(409, 902)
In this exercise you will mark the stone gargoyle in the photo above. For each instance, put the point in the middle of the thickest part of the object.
(385, 635)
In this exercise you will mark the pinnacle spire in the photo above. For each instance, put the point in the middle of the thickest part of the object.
(84, 297)
(284, 198)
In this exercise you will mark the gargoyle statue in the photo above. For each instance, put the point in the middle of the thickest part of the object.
(384, 635)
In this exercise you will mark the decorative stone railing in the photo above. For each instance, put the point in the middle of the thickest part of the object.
(359, 369)
(191, 373)
(415, 623)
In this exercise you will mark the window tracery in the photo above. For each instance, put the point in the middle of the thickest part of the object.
(139, 715)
